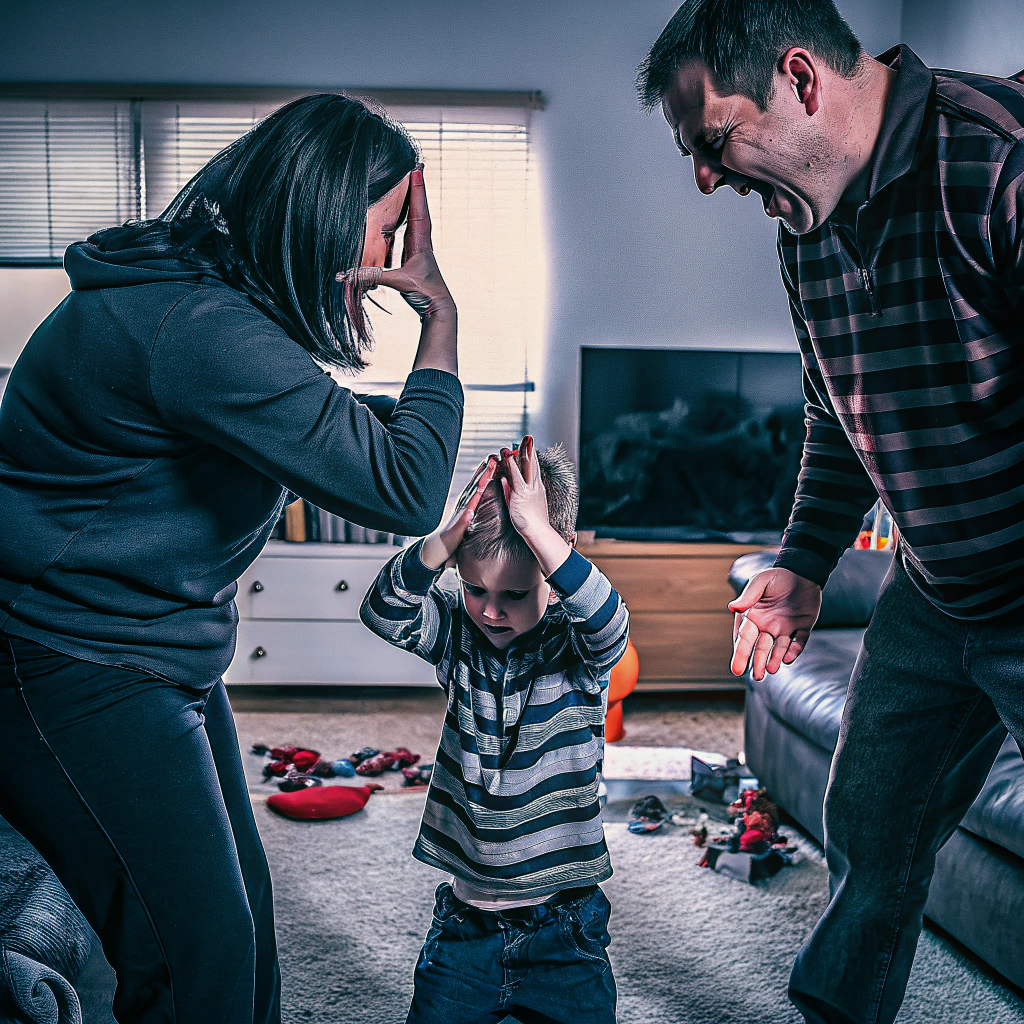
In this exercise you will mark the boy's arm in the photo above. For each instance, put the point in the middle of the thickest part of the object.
(406, 607)
(599, 620)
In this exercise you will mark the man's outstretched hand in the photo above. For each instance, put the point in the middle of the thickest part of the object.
(774, 616)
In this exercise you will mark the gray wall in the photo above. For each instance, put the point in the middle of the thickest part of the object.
(986, 36)
(636, 255)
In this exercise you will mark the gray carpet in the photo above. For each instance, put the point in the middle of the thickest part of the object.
(688, 946)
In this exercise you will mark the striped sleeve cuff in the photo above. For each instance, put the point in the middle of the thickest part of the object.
(571, 574)
(587, 596)
(416, 577)
(806, 564)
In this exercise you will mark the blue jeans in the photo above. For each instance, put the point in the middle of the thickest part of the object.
(541, 964)
(929, 704)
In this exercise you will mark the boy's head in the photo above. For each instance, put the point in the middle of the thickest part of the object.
(503, 588)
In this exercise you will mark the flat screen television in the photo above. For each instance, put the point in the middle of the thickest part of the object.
(689, 444)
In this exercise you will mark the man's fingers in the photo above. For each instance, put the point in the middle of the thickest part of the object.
(782, 645)
(417, 231)
(796, 646)
(752, 593)
(762, 651)
(746, 636)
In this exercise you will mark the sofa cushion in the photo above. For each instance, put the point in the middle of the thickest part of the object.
(809, 694)
(851, 592)
(998, 813)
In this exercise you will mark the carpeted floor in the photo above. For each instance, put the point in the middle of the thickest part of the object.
(689, 946)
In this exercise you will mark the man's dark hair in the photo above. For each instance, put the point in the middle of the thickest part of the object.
(279, 212)
(740, 42)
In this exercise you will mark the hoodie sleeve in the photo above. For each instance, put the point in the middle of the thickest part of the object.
(223, 372)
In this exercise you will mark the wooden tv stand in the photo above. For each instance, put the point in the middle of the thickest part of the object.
(677, 596)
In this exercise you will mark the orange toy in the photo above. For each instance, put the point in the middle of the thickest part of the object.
(624, 677)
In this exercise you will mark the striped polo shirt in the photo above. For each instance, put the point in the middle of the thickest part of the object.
(909, 312)
(512, 807)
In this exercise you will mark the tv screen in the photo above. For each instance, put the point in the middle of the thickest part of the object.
(689, 444)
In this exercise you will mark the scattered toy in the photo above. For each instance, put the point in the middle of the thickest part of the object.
(322, 803)
(418, 775)
(382, 761)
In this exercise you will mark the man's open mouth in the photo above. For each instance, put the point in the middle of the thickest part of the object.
(497, 629)
(767, 194)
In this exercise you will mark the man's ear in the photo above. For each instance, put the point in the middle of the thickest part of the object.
(575, 537)
(799, 71)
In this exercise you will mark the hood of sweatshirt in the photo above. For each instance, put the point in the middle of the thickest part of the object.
(126, 256)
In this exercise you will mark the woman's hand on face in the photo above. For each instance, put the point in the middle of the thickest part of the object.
(439, 548)
(418, 278)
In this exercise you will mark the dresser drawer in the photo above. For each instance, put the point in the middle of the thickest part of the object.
(321, 652)
(682, 647)
(307, 588)
(670, 584)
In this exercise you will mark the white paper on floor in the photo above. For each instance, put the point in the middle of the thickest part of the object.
(653, 762)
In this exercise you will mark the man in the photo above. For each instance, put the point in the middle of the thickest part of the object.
(901, 197)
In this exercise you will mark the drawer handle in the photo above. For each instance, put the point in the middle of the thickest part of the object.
(257, 587)
(260, 652)
(342, 586)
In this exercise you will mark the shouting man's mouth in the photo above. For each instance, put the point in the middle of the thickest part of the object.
(497, 629)
(765, 191)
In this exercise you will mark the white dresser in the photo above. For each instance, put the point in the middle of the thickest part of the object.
(298, 620)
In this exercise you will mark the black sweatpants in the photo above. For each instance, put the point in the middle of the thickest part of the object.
(132, 790)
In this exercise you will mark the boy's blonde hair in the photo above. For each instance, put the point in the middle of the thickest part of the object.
(491, 535)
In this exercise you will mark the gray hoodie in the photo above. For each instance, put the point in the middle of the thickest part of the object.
(148, 436)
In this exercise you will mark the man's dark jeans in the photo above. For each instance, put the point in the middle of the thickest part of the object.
(928, 707)
(538, 965)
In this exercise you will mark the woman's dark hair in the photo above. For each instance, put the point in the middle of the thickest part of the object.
(740, 42)
(282, 210)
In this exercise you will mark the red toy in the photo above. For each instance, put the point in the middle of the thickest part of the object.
(322, 803)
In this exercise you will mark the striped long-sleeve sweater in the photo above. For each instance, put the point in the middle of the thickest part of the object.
(909, 311)
(512, 807)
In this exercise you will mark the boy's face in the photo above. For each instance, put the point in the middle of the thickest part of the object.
(504, 598)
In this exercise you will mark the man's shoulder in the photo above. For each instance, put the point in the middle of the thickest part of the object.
(993, 106)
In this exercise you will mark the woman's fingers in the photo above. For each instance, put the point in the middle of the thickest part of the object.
(417, 231)
(363, 278)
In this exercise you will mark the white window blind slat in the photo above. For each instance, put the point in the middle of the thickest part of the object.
(70, 168)
(67, 168)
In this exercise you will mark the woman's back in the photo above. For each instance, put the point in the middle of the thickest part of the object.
(147, 436)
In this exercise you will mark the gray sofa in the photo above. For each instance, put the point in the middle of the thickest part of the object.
(791, 729)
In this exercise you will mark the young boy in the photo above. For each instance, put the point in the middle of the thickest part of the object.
(524, 651)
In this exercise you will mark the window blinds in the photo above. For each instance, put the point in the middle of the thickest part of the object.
(68, 168)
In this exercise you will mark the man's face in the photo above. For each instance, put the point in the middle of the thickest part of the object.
(782, 153)
(504, 598)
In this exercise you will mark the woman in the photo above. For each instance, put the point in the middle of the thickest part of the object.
(148, 437)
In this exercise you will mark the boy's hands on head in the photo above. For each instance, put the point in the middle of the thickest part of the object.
(527, 503)
(438, 551)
